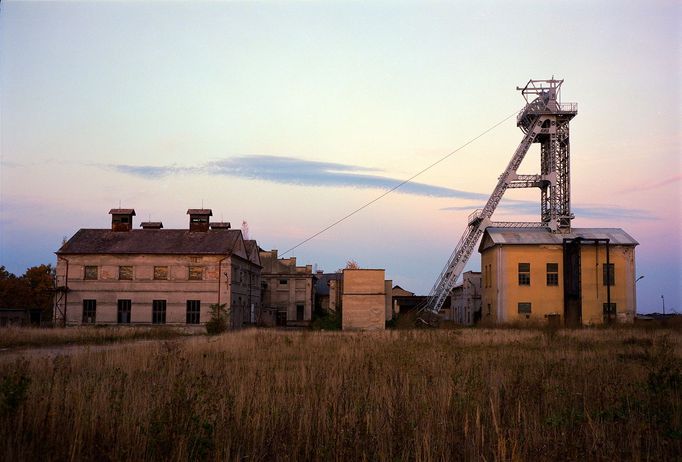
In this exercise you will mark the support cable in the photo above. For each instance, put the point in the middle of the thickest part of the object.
(404, 182)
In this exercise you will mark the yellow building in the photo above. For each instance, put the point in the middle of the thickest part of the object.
(583, 277)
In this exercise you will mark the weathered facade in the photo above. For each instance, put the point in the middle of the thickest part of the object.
(465, 304)
(584, 277)
(155, 275)
(366, 300)
(288, 289)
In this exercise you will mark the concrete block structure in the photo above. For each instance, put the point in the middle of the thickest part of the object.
(584, 277)
(365, 299)
(288, 290)
(155, 275)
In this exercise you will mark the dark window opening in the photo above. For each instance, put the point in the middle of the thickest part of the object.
(159, 312)
(124, 309)
(300, 312)
(552, 274)
(89, 311)
(283, 282)
(524, 307)
(193, 311)
(524, 274)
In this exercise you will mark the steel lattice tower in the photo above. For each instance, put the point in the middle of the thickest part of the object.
(544, 120)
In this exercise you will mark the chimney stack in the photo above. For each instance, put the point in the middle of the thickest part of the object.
(198, 219)
(151, 225)
(122, 219)
(220, 225)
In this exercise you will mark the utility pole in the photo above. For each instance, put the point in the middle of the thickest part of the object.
(663, 301)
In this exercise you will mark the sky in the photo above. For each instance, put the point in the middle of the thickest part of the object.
(291, 115)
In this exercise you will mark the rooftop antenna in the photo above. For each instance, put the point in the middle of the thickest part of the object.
(202, 204)
(119, 203)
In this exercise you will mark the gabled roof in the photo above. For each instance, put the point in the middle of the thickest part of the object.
(539, 236)
(151, 241)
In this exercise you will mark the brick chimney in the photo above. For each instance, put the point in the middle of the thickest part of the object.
(198, 219)
(151, 225)
(122, 219)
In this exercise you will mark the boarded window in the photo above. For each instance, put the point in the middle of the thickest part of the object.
(124, 309)
(89, 311)
(160, 272)
(524, 274)
(524, 307)
(125, 273)
(90, 273)
(196, 273)
(193, 311)
(609, 274)
(159, 312)
(552, 274)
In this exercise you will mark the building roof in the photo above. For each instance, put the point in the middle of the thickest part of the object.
(539, 236)
(208, 212)
(122, 212)
(151, 241)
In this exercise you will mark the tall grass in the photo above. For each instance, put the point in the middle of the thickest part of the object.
(20, 337)
(499, 394)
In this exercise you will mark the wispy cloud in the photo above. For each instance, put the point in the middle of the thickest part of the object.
(652, 185)
(291, 170)
(295, 171)
(592, 211)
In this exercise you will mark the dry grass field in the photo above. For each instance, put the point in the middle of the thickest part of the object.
(457, 394)
(23, 337)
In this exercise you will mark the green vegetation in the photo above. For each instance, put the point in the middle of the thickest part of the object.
(219, 319)
(448, 394)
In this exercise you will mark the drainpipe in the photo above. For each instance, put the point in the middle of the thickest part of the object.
(220, 273)
(608, 285)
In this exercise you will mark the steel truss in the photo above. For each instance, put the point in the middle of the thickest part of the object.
(543, 120)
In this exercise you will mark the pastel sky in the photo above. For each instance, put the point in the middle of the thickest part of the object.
(290, 115)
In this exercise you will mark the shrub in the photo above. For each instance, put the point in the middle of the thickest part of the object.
(218, 322)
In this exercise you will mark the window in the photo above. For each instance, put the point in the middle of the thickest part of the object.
(609, 274)
(90, 273)
(193, 311)
(89, 311)
(125, 273)
(300, 312)
(610, 309)
(524, 307)
(159, 312)
(283, 282)
(552, 274)
(124, 311)
(160, 272)
(524, 274)
(196, 273)
(489, 310)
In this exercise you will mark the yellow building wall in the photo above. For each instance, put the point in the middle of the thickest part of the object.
(502, 293)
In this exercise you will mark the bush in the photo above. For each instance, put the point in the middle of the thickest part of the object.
(218, 322)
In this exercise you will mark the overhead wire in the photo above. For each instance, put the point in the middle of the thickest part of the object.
(404, 182)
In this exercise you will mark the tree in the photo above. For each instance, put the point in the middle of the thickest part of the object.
(218, 322)
(33, 290)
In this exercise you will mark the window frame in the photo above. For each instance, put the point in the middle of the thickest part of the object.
(524, 275)
(193, 313)
(89, 311)
(552, 279)
(159, 268)
(523, 305)
(122, 308)
(120, 278)
(192, 273)
(87, 272)
(159, 311)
